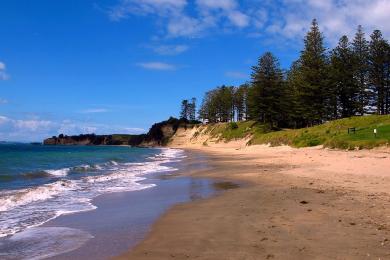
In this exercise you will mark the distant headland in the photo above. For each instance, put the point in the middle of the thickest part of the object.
(158, 135)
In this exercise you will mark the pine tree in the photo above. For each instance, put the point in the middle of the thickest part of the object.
(293, 107)
(344, 93)
(387, 79)
(184, 109)
(313, 68)
(225, 102)
(378, 52)
(267, 84)
(205, 111)
(360, 70)
(192, 110)
(240, 102)
(353, 80)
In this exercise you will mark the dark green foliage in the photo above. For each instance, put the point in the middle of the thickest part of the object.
(352, 79)
(218, 105)
(379, 72)
(312, 85)
(240, 102)
(344, 94)
(233, 125)
(188, 109)
(184, 109)
(156, 132)
(92, 139)
(266, 93)
(360, 69)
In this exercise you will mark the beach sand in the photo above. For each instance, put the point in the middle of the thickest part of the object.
(309, 203)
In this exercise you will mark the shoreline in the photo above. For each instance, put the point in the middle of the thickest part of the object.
(121, 220)
(298, 204)
(118, 221)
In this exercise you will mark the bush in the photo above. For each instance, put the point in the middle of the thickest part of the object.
(233, 125)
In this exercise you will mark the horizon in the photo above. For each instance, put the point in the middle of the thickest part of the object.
(117, 67)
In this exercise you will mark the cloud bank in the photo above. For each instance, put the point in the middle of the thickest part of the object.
(289, 19)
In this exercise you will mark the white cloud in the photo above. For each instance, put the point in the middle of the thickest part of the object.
(186, 26)
(133, 130)
(145, 7)
(32, 125)
(3, 120)
(217, 4)
(69, 127)
(156, 66)
(3, 74)
(170, 49)
(238, 19)
(236, 75)
(94, 110)
(336, 17)
(286, 19)
(178, 21)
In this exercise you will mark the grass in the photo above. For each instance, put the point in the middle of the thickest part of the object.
(234, 131)
(333, 134)
(121, 137)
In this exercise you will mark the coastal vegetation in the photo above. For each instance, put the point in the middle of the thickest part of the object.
(351, 80)
(336, 98)
(333, 134)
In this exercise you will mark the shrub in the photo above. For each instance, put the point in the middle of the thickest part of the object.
(233, 125)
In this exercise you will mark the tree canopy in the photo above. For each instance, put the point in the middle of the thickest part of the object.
(349, 80)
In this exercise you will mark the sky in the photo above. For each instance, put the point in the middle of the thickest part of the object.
(118, 66)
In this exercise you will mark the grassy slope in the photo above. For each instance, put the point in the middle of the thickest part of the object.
(333, 134)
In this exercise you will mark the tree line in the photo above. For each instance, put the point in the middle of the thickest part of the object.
(188, 109)
(351, 79)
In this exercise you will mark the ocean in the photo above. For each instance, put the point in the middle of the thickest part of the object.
(40, 183)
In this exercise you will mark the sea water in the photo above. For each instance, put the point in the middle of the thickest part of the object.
(39, 183)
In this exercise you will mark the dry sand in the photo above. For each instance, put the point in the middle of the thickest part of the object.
(310, 203)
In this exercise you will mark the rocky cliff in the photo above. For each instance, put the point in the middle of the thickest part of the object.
(159, 135)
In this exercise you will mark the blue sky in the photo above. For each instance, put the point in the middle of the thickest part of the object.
(117, 66)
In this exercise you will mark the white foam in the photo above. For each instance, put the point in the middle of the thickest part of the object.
(18, 198)
(20, 209)
(60, 172)
(113, 162)
(43, 242)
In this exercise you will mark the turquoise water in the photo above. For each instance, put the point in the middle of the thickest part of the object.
(39, 183)
(25, 165)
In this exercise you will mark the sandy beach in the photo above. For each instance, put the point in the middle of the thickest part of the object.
(309, 203)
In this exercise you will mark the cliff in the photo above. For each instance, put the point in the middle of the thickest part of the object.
(159, 134)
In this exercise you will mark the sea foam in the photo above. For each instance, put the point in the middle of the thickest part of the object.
(31, 207)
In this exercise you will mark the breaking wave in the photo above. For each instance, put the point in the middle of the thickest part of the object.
(31, 207)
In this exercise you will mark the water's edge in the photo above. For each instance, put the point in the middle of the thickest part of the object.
(119, 220)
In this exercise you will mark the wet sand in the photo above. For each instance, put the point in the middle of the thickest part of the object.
(296, 204)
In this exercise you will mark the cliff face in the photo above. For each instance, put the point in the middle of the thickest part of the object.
(159, 134)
